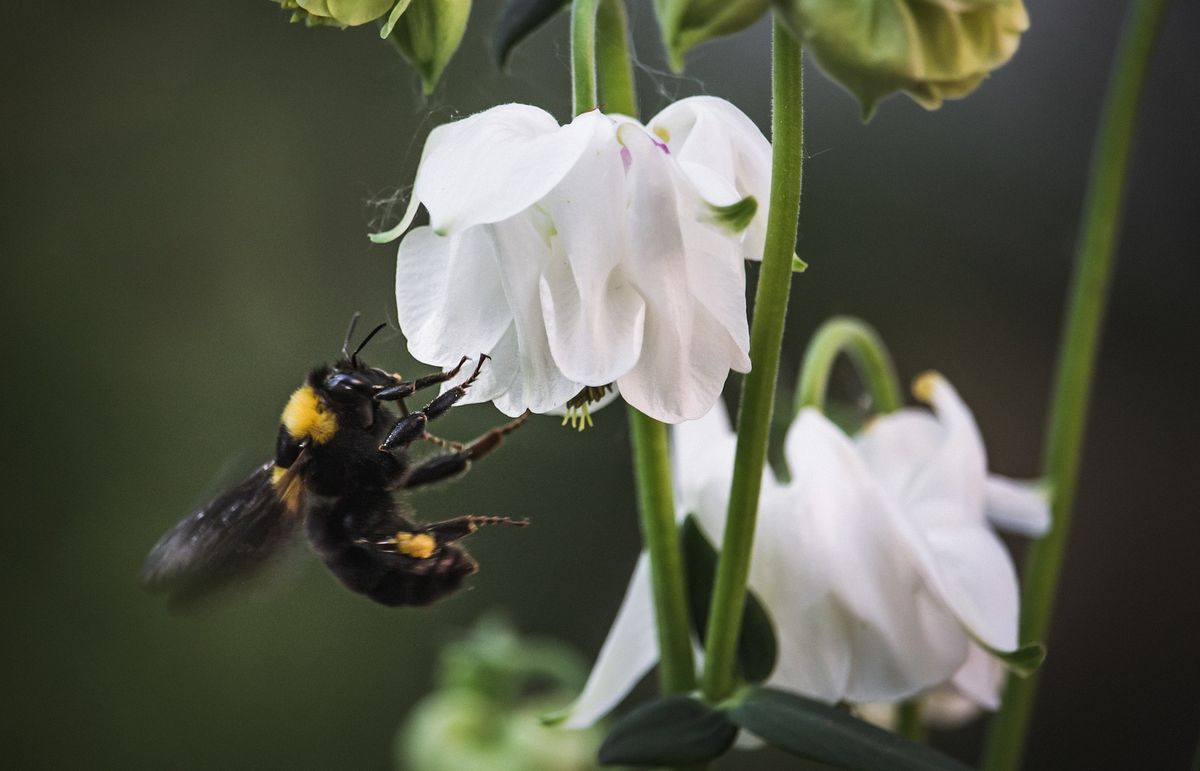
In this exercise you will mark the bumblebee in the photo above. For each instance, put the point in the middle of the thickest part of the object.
(340, 458)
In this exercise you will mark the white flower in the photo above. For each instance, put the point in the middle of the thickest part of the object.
(601, 252)
(876, 562)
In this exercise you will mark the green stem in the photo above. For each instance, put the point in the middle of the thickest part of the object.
(1076, 362)
(766, 339)
(652, 470)
(908, 720)
(614, 64)
(859, 341)
(583, 55)
(599, 32)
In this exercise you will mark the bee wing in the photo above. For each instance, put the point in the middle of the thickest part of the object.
(229, 539)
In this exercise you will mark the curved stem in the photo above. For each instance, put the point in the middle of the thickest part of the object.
(766, 338)
(864, 346)
(599, 33)
(1076, 362)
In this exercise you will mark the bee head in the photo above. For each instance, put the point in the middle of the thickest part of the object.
(349, 386)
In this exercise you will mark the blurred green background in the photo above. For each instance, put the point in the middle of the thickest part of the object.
(186, 189)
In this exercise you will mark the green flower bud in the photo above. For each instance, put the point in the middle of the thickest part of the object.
(428, 34)
(931, 49)
(687, 23)
(337, 13)
(486, 715)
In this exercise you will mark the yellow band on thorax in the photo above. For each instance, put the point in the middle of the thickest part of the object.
(307, 416)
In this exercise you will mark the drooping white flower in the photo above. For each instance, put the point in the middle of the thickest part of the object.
(598, 253)
(903, 448)
(875, 562)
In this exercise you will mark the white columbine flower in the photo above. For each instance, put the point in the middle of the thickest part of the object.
(600, 253)
(876, 562)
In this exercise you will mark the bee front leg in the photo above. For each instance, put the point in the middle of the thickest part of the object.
(412, 426)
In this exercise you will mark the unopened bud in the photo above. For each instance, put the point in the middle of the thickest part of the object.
(428, 34)
(930, 49)
(688, 23)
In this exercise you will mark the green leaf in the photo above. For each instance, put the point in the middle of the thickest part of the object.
(671, 731)
(816, 731)
(519, 19)
(798, 265)
(757, 649)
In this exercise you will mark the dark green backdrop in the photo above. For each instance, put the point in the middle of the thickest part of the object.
(186, 189)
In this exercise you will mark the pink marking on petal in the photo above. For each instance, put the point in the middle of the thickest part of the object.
(661, 146)
(626, 158)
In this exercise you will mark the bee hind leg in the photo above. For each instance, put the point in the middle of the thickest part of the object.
(456, 529)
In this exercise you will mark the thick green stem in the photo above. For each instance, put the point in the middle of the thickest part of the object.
(599, 33)
(1076, 362)
(613, 62)
(583, 55)
(766, 339)
(652, 470)
(862, 344)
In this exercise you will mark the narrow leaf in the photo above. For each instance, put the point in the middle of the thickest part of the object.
(756, 650)
(675, 730)
(816, 731)
(519, 19)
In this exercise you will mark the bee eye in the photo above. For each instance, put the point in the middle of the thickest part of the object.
(345, 385)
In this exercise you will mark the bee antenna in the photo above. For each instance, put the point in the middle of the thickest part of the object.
(349, 334)
(367, 339)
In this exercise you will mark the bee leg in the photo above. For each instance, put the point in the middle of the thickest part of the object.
(403, 388)
(412, 426)
(452, 530)
(446, 466)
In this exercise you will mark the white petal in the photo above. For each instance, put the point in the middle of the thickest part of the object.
(813, 659)
(686, 352)
(976, 579)
(593, 315)
(949, 489)
(711, 133)
(1018, 506)
(494, 164)
(716, 273)
(980, 678)
(702, 458)
(899, 640)
(448, 295)
(628, 653)
(521, 255)
(497, 375)
(896, 445)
